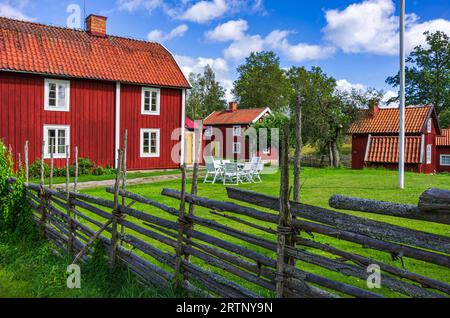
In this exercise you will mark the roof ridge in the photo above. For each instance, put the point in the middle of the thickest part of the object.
(76, 30)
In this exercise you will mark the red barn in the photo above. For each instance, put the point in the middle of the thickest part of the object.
(225, 133)
(375, 140)
(85, 88)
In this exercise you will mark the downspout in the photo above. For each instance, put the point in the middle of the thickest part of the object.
(183, 126)
(117, 125)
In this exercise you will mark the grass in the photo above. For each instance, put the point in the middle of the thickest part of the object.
(318, 186)
(31, 270)
(131, 175)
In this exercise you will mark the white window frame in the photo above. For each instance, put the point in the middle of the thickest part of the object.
(57, 108)
(208, 131)
(237, 131)
(158, 101)
(158, 143)
(266, 151)
(47, 141)
(235, 150)
(441, 161)
(429, 154)
(429, 123)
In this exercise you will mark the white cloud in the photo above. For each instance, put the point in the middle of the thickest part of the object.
(205, 11)
(15, 10)
(160, 36)
(387, 96)
(276, 40)
(371, 26)
(231, 30)
(346, 86)
(219, 65)
(134, 5)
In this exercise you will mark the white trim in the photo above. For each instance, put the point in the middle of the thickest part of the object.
(369, 140)
(176, 62)
(183, 127)
(158, 143)
(430, 152)
(208, 131)
(46, 139)
(265, 111)
(440, 160)
(235, 152)
(117, 124)
(422, 148)
(429, 125)
(234, 131)
(151, 90)
(57, 108)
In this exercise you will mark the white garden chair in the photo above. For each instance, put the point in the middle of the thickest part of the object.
(213, 170)
(246, 174)
(231, 173)
(256, 175)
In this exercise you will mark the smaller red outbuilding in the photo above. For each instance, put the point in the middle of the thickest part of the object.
(225, 134)
(375, 140)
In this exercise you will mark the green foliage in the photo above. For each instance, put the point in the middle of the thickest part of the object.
(206, 95)
(275, 120)
(85, 166)
(99, 171)
(16, 218)
(428, 73)
(35, 170)
(262, 83)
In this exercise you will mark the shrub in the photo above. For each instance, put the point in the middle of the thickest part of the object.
(85, 166)
(35, 170)
(99, 171)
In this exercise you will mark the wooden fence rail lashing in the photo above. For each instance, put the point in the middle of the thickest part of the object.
(253, 254)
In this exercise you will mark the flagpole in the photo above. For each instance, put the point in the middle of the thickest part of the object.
(401, 145)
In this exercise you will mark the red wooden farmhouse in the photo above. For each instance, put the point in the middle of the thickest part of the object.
(225, 134)
(375, 140)
(85, 88)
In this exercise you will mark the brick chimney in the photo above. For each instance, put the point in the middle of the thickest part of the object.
(232, 107)
(373, 108)
(96, 25)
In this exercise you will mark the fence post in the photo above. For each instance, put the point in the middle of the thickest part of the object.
(75, 181)
(182, 224)
(27, 164)
(42, 192)
(70, 206)
(124, 176)
(116, 214)
(52, 145)
(285, 216)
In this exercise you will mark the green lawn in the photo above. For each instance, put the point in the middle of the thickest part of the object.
(318, 186)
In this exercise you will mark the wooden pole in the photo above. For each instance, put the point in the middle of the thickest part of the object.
(75, 182)
(116, 214)
(42, 191)
(52, 145)
(27, 164)
(181, 229)
(124, 175)
(285, 217)
(70, 242)
(298, 148)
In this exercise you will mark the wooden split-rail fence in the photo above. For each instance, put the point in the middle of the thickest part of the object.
(213, 258)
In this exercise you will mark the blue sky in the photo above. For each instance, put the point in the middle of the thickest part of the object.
(356, 42)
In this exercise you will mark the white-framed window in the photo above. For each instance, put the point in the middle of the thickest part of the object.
(266, 150)
(151, 98)
(236, 148)
(445, 160)
(237, 131)
(429, 123)
(150, 143)
(57, 95)
(428, 154)
(57, 138)
(208, 131)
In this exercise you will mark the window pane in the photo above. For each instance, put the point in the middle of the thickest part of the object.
(154, 101)
(61, 95)
(61, 141)
(146, 142)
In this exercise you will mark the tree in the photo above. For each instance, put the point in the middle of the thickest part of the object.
(428, 73)
(262, 83)
(206, 95)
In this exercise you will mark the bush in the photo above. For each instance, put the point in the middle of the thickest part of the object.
(85, 166)
(35, 170)
(99, 171)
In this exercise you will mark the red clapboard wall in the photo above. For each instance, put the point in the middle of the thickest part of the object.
(91, 116)
(168, 121)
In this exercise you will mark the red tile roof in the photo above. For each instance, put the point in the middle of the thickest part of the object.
(387, 121)
(241, 116)
(384, 149)
(444, 138)
(38, 48)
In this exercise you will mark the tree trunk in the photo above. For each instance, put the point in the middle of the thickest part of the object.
(336, 156)
(331, 155)
(298, 149)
